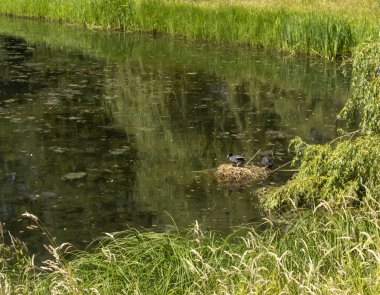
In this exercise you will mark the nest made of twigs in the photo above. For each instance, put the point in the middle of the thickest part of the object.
(226, 173)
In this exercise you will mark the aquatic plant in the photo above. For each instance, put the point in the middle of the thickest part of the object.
(331, 30)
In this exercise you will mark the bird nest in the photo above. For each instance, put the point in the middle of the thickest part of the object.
(228, 174)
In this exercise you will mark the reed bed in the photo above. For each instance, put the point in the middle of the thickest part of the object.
(331, 30)
(324, 251)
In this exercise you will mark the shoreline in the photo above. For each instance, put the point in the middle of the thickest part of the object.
(324, 251)
(299, 29)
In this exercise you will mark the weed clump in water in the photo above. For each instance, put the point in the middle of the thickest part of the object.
(230, 175)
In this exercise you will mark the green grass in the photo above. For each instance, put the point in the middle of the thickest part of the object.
(321, 252)
(326, 30)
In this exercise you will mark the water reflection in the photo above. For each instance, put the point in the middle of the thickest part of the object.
(100, 132)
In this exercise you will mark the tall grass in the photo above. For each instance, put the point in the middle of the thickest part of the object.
(296, 28)
(320, 252)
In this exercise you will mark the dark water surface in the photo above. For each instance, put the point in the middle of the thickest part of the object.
(100, 132)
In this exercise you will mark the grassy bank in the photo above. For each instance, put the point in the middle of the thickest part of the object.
(314, 253)
(330, 29)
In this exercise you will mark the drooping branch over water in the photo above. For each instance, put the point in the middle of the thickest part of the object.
(365, 100)
(341, 175)
(345, 172)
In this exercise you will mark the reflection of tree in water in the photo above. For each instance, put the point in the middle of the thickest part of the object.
(14, 49)
(189, 121)
(140, 126)
(65, 129)
(14, 52)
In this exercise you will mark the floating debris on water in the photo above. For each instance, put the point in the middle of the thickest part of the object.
(73, 118)
(116, 152)
(73, 175)
(49, 194)
(58, 150)
(276, 134)
(11, 100)
(228, 174)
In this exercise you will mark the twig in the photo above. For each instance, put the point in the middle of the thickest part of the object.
(344, 135)
(281, 166)
(202, 171)
(253, 157)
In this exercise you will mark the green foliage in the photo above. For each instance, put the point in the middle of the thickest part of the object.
(345, 174)
(365, 100)
(304, 256)
(296, 29)
(342, 175)
(313, 253)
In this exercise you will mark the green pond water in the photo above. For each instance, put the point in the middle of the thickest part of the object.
(100, 131)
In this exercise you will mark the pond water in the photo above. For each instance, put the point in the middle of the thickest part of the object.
(100, 132)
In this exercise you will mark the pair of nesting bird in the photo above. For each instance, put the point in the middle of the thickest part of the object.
(238, 160)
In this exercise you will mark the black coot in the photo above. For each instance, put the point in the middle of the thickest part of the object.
(237, 160)
(267, 161)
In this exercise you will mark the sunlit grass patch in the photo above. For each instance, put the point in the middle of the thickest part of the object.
(331, 29)
(368, 8)
(313, 253)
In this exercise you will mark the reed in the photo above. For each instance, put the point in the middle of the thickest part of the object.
(331, 30)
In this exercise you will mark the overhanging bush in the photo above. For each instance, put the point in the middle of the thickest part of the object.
(346, 173)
